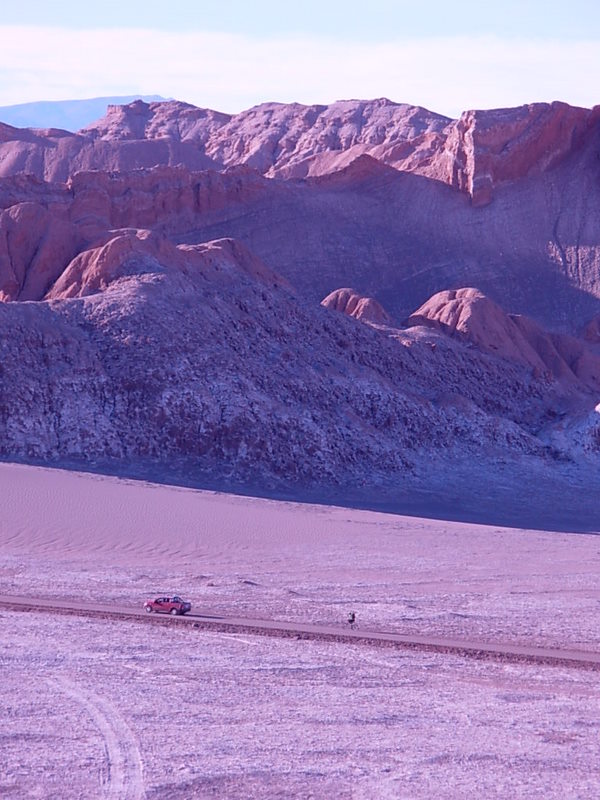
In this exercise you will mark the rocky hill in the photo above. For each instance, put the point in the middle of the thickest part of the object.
(146, 349)
(172, 276)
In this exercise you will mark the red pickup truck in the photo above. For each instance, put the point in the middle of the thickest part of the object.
(167, 605)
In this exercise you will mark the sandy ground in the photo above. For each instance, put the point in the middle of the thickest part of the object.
(98, 708)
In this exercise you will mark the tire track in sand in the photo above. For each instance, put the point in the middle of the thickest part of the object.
(125, 780)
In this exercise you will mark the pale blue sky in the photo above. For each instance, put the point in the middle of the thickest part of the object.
(229, 55)
(367, 20)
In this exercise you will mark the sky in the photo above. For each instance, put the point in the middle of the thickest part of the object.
(231, 55)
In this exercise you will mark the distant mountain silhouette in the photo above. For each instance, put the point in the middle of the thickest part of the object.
(68, 115)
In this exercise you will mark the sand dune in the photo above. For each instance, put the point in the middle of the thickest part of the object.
(251, 716)
(74, 534)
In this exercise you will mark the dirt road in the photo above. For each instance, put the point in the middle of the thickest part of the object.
(501, 650)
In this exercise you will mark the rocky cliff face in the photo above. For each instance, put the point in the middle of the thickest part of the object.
(485, 149)
(35, 246)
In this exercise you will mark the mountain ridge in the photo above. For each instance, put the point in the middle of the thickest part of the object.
(474, 154)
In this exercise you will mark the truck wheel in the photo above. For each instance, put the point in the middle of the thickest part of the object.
(148, 609)
(174, 612)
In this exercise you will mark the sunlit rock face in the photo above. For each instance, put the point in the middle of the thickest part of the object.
(349, 302)
(470, 314)
(35, 246)
(485, 149)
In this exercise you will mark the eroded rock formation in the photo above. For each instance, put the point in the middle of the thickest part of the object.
(349, 302)
(470, 314)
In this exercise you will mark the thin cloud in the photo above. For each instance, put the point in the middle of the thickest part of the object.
(231, 72)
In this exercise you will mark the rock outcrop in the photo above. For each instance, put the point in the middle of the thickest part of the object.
(131, 252)
(125, 253)
(170, 119)
(168, 198)
(469, 314)
(365, 309)
(484, 149)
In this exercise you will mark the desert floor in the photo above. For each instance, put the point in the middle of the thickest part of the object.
(95, 708)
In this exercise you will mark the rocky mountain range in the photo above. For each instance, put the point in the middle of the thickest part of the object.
(352, 296)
